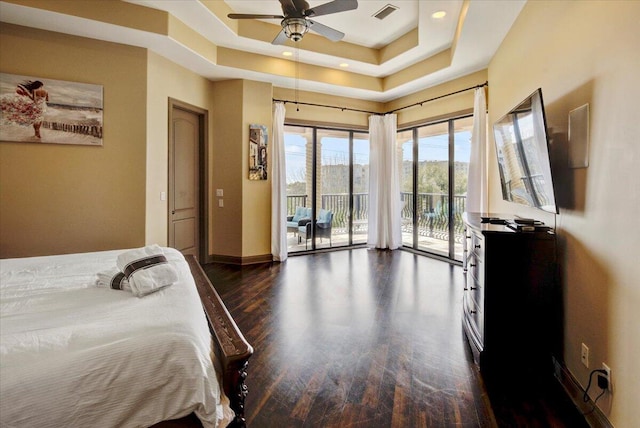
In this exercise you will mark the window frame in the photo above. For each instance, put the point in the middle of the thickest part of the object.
(351, 130)
(414, 128)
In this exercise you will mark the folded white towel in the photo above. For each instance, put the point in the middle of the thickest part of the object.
(146, 269)
(113, 278)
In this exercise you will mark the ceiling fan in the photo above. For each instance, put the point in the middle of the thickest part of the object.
(295, 19)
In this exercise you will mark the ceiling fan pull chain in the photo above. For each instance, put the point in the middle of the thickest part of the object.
(297, 76)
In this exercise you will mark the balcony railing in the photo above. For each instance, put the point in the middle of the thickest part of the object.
(432, 212)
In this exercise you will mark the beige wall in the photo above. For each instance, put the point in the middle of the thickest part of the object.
(241, 229)
(228, 168)
(165, 80)
(445, 107)
(65, 198)
(587, 53)
(325, 116)
(256, 194)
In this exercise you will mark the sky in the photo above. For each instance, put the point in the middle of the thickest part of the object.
(334, 150)
(60, 91)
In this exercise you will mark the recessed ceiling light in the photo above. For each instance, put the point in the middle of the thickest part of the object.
(344, 65)
(439, 14)
(287, 53)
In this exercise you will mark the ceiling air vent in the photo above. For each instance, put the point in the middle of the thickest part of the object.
(385, 11)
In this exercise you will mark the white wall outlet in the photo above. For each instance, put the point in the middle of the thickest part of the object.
(584, 355)
(221, 203)
(607, 369)
(219, 193)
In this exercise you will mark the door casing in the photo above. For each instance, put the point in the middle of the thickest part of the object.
(203, 187)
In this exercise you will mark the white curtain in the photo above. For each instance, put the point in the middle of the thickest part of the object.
(279, 187)
(384, 184)
(477, 188)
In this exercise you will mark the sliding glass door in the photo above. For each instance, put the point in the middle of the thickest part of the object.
(327, 187)
(360, 188)
(333, 187)
(435, 164)
(407, 184)
(432, 191)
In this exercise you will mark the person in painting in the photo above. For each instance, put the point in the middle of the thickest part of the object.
(262, 156)
(27, 106)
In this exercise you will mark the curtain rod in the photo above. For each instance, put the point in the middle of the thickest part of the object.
(390, 111)
(438, 97)
(324, 105)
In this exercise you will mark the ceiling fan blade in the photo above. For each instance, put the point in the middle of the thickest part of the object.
(289, 9)
(301, 5)
(328, 32)
(280, 38)
(332, 7)
(250, 16)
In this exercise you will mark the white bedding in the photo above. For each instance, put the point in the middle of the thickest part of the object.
(73, 354)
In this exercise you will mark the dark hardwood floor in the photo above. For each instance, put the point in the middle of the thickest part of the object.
(368, 338)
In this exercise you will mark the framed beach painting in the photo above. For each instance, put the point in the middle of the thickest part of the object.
(258, 152)
(39, 110)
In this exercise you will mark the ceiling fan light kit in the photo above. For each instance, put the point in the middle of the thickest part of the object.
(295, 19)
(295, 28)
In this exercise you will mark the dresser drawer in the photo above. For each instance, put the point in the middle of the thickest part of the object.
(477, 245)
(475, 291)
(475, 268)
(473, 313)
(466, 244)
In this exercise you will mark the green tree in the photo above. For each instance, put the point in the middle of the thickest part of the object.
(296, 188)
(433, 177)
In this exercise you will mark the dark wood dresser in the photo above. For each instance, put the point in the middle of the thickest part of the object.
(511, 304)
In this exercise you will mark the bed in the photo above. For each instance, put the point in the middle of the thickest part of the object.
(73, 353)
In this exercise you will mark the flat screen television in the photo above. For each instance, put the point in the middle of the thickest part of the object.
(522, 146)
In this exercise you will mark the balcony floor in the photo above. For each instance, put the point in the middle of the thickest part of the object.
(436, 245)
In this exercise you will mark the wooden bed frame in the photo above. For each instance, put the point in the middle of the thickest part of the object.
(230, 347)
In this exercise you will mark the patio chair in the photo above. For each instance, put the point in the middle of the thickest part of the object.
(294, 221)
(322, 227)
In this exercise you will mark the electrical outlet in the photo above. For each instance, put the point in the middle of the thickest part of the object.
(607, 369)
(584, 355)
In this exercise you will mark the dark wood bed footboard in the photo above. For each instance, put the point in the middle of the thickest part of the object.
(231, 348)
